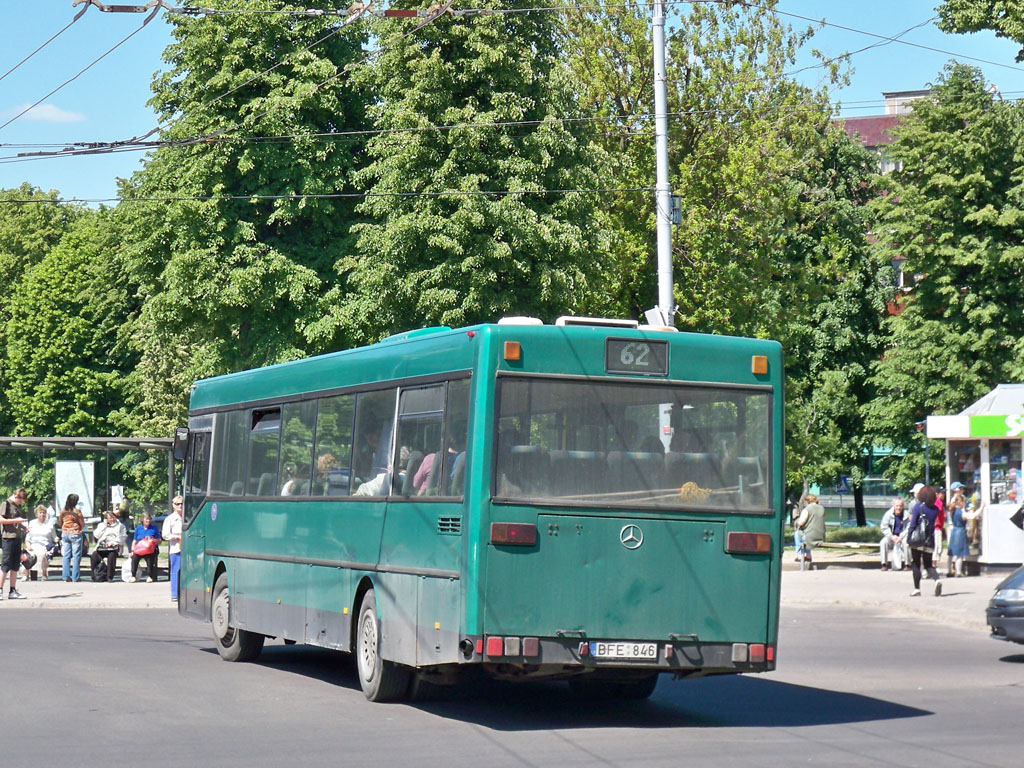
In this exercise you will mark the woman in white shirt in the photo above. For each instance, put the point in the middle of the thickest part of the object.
(171, 533)
(110, 535)
(41, 540)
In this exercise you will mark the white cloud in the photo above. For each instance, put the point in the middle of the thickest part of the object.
(47, 113)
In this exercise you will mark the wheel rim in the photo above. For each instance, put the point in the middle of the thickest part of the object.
(219, 616)
(368, 646)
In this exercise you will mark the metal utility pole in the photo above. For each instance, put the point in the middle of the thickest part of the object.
(663, 192)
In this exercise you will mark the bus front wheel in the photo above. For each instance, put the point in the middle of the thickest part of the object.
(380, 680)
(232, 644)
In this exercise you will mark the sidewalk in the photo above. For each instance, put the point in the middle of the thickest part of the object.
(55, 593)
(853, 578)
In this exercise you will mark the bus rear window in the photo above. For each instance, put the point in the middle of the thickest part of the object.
(632, 444)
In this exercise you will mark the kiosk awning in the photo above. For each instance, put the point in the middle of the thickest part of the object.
(1000, 413)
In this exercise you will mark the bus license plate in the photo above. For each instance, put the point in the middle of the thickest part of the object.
(623, 650)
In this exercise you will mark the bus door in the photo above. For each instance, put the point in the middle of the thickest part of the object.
(192, 600)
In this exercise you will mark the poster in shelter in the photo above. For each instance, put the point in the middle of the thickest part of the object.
(78, 477)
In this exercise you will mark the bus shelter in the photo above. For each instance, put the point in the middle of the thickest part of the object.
(97, 444)
(984, 445)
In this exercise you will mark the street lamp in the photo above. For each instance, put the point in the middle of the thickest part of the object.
(927, 464)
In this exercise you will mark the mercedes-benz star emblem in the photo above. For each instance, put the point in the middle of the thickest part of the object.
(631, 536)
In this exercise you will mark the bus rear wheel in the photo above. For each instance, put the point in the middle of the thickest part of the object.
(631, 688)
(232, 644)
(380, 680)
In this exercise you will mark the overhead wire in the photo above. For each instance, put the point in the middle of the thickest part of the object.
(330, 196)
(54, 37)
(81, 148)
(83, 70)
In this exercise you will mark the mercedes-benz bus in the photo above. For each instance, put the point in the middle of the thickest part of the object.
(593, 501)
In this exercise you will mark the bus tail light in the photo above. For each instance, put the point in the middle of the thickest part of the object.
(756, 654)
(495, 646)
(748, 543)
(770, 653)
(514, 534)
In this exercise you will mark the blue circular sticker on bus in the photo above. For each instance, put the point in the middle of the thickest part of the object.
(213, 511)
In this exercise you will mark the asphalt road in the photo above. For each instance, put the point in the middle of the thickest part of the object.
(854, 687)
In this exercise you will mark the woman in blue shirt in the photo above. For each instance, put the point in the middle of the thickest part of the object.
(144, 530)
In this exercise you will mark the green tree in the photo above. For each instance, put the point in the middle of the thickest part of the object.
(66, 354)
(954, 211)
(1004, 17)
(833, 333)
(234, 283)
(456, 231)
(774, 234)
(28, 231)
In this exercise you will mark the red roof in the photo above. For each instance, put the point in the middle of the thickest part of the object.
(873, 130)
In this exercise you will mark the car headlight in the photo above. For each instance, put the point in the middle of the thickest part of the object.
(1009, 594)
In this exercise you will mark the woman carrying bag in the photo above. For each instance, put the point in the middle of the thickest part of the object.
(145, 546)
(110, 536)
(921, 537)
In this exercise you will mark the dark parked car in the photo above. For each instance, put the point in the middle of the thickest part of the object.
(1005, 612)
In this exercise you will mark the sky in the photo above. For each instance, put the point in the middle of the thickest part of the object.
(108, 102)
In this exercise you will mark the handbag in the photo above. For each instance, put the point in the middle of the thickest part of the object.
(28, 560)
(919, 538)
(144, 546)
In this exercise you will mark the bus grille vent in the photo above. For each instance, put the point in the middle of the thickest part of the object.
(451, 526)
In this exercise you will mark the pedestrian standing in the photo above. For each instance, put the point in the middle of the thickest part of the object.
(72, 525)
(923, 516)
(172, 535)
(13, 525)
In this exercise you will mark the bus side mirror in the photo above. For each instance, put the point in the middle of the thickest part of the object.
(180, 443)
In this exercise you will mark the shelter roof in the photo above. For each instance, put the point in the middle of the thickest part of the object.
(86, 443)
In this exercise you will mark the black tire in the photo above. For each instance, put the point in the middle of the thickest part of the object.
(232, 644)
(630, 689)
(380, 680)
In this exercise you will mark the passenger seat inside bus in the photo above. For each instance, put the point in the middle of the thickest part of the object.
(699, 468)
(577, 473)
(530, 469)
(636, 471)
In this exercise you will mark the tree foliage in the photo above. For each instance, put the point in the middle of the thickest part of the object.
(236, 283)
(488, 217)
(955, 211)
(773, 240)
(29, 229)
(1004, 17)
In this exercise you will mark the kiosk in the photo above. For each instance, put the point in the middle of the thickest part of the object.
(984, 444)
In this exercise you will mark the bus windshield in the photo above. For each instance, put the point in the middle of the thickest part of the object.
(608, 443)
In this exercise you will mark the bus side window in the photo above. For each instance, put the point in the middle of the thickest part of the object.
(371, 452)
(264, 446)
(333, 454)
(230, 444)
(197, 473)
(297, 423)
(456, 429)
(418, 439)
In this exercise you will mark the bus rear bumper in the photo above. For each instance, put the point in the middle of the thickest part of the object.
(562, 657)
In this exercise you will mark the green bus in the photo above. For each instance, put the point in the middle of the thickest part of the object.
(593, 501)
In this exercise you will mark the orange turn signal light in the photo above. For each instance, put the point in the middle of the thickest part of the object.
(759, 365)
(513, 352)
